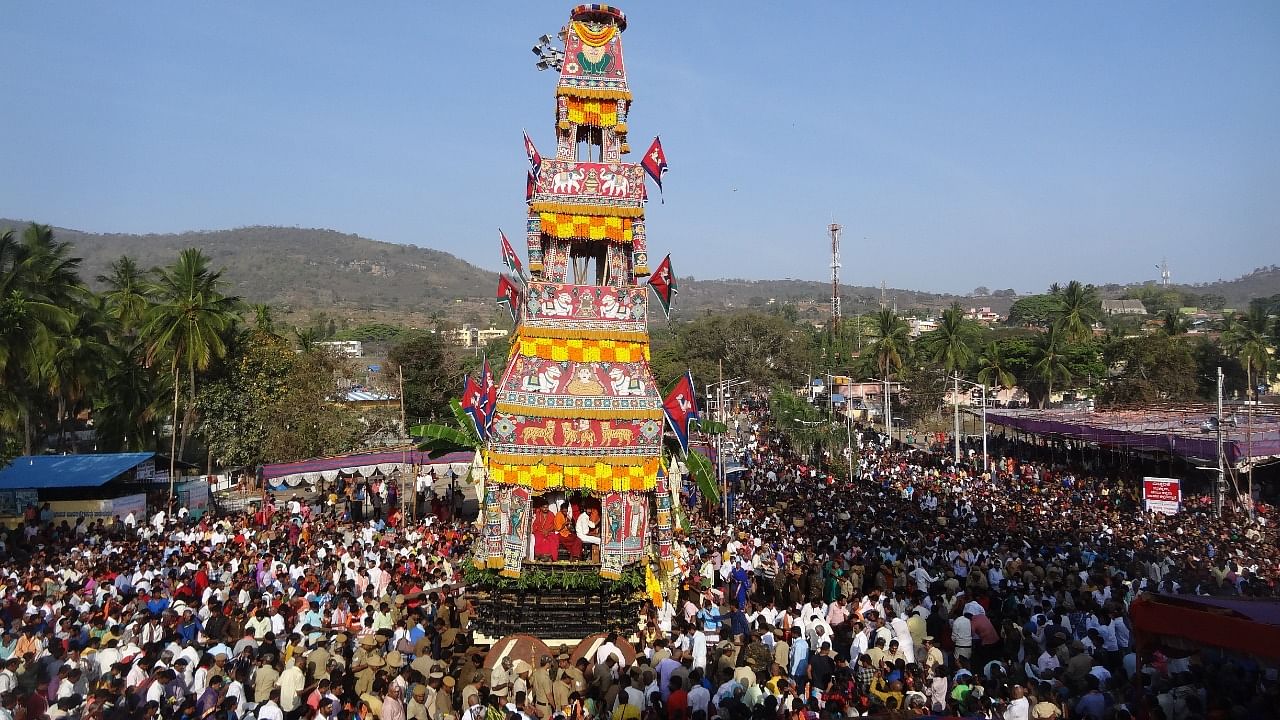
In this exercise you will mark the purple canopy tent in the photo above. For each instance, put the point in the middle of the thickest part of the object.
(1158, 430)
(277, 474)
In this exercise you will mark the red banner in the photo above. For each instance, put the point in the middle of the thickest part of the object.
(1162, 495)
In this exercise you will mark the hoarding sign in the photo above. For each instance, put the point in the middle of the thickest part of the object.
(1162, 495)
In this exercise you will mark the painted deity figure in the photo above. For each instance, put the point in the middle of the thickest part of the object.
(584, 382)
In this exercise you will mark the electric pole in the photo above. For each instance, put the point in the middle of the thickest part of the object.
(1222, 473)
(834, 230)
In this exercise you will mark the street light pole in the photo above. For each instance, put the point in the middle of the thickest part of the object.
(1221, 470)
(985, 464)
(888, 413)
(956, 403)
(1248, 440)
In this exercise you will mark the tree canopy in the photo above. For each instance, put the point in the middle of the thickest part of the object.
(431, 374)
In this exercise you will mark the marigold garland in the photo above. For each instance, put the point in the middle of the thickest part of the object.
(583, 350)
(587, 209)
(592, 93)
(594, 38)
(586, 227)
(530, 329)
(597, 113)
(511, 459)
(599, 478)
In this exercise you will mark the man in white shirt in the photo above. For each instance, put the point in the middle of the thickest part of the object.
(962, 636)
(236, 691)
(270, 710)
(291, 682)
(1019, 707)
(9, 675)
(699, 697)
(610, 647)
(586, 530)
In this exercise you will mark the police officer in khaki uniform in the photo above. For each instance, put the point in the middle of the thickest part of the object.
(366, 673)
(540, 685)
(444, 699)
(565, 684)
(316, 662)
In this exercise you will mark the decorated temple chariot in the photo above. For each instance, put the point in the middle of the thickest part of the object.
(575, 490)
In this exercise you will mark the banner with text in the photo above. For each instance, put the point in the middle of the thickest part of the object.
(1162, 495)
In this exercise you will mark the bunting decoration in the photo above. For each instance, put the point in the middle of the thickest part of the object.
(509, 295)
(662, 522)
(510, 259)
(681, 407)
(472, 404)
(655, 162)
(663, 282)
(489, 394)
(535, 160)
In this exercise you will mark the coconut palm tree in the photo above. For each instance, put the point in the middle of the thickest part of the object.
(994, 368)
(949, 344)
(890, 343)
(264, 320)
(130, 401)
(127, 294)
(38, 282)
(76, 362)
(1246, 338)
(307, 338)
(1173, 323)
(186, 328)
(1077, 311)
(1051, 364)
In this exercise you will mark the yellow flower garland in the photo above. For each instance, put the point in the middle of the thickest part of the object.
(594, 39)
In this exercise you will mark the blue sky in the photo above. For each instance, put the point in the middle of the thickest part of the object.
(960, 144)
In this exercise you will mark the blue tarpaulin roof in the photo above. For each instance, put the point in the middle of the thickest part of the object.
(68, 471)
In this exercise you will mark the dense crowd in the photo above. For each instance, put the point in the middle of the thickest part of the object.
(286, 612)
(925, 586)
(916, 587)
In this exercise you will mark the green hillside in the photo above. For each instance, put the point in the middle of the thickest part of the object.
(302, 270)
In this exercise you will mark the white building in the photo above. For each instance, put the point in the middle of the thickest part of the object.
(469, 337)
(921, 326)
(350, 348)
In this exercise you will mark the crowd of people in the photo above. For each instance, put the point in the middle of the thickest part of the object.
(924, 586)
(915, 587)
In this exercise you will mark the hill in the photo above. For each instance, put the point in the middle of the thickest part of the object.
(303, 271)
(813, 299)
(300, 270)
(1262, 282)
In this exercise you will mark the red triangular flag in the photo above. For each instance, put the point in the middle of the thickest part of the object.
(509, 295)
(655, 162)
(663, 282)
(472, 402)
(509, 257)
(489, 390)
(535, 160)
(681, 406)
